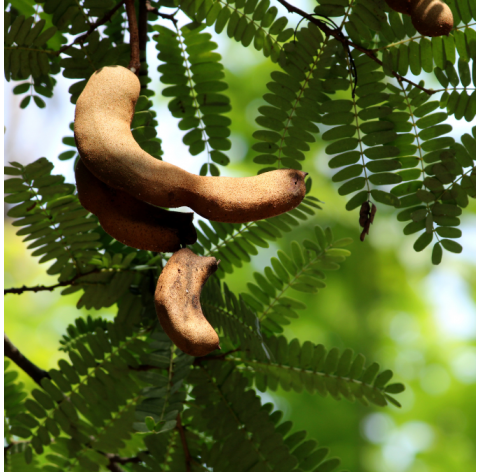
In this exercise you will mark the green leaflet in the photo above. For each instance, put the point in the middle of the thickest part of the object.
(26, 56)
(195, 72)
(235, 244)
(163, 396)
(244, 24)
(248, 429)
(301, 271)
(231, 314)
(312, 368)
(54, 213)
(15, 408)
(295, 94)
(55, 413)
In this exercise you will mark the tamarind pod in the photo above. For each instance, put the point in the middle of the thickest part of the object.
(431, 17)
(401, 6)
(103, 115)
(133, 222)
(364, 214)
(177, 302)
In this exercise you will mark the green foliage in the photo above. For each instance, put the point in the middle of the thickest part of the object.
(164, 396)
(246, 435)
(126, 390)
(246, 22)
(52, 218)
(235, 243)
(27, 56)
(303, 272)
(193, 73)
(14, 396)
(315, 369)
(234, 317)
(96, 389)
(295, 97)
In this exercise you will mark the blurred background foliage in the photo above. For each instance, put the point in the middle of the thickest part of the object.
(386, 302)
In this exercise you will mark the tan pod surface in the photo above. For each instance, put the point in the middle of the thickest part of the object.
(177, 302)
(431, 17)
(103, 115)
(133, 222)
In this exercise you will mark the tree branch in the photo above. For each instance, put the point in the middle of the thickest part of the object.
(143, 38)
(181, 430)
(27, 366)
(134, 64)
(337, 34)
(99, 22)
(42, 288)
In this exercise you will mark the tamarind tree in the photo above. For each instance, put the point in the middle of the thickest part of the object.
(354, 74)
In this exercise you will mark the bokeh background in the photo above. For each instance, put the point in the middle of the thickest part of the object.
(386, 302)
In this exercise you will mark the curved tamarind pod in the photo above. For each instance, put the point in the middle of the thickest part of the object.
(401, 6)
(133, 222)
(431, 17)
(105, 143)
(177, 302)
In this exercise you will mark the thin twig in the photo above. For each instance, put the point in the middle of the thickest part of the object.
(165, 16)
(114, 467)
(42, 288)
(181, 431)
(134, 64)
(93, 27)
(337, 34)
(144, 367)
(220, 357)
(10, 351)
(115, 460)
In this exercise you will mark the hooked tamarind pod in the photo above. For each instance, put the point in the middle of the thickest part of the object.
(177, 302)
(105, 143)
(133, 222)
(431, 17)
(401, 6)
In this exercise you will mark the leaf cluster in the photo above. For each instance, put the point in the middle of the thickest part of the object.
(126, 395)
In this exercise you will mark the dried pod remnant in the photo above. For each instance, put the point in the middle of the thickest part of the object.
(105, 143)
(366, 217)
(133, 222)
(177, 302)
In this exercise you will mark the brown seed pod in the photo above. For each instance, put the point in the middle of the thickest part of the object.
(177, 302)
(401, 6)
(366, 217)
(105, 143)
(431, 17)
(131, 221)
(364, 214)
